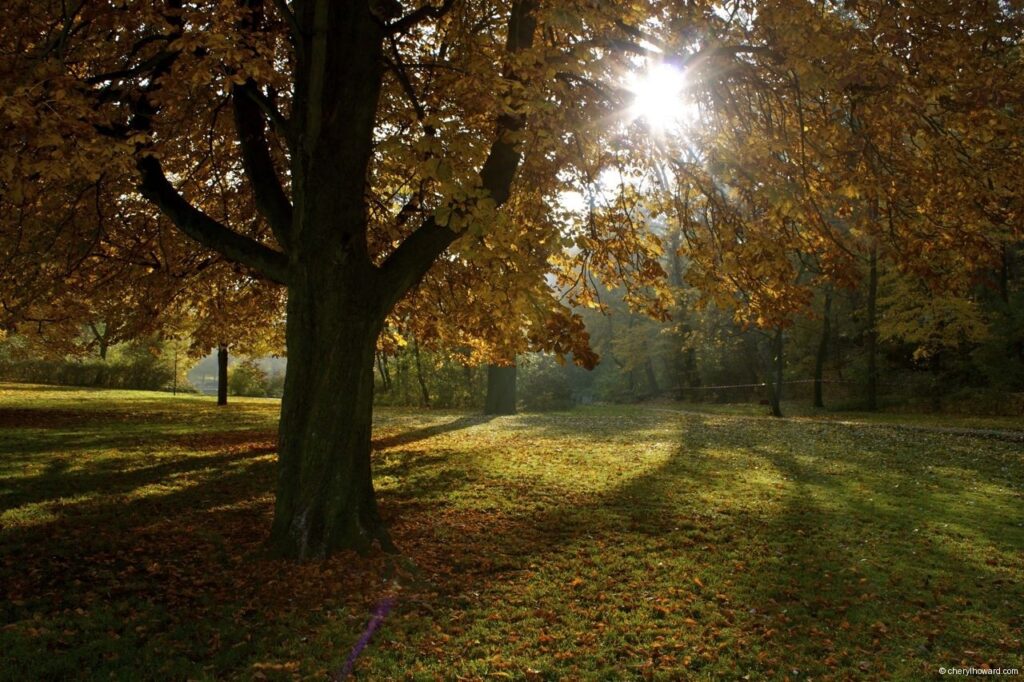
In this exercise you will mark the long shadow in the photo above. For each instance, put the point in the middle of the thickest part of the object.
(866, 582)
(410, 437)
(180, 578)
(23, 444)
(846, 585)
(115, 476)
(166, 586)
(165, 574)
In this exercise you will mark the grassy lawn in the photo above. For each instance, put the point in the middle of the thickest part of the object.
(605, 543)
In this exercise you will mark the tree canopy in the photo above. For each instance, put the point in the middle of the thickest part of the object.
(404, 166)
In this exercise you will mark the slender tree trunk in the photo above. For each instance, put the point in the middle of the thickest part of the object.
(501, 390)
(652, 378)
(222, 374)
(402, 372)
(102, 340)
(467, 374)
(424, 393)
(822, 356)
(775, 367)
(871, 342)
(385, 376)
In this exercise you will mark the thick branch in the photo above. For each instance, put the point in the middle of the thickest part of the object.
(265, 261)
(259, 166)
(404, 268)
(278, 121)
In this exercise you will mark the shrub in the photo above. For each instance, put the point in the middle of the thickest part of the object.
(248, 379)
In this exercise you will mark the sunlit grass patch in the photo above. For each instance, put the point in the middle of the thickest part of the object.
(603, 543)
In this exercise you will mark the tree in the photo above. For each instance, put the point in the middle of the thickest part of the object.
(355, 130)
(222, 374)
(340, 148)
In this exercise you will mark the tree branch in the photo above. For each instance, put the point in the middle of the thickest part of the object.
(278, 121)
(418, 15)
(289, 18)
(271, 199)
(267, 262)
(407, 264)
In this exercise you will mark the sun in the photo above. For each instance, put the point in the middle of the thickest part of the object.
(658, 97)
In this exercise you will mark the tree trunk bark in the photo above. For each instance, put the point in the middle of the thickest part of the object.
(652, 378)
(325, 496)
(222, 374)
(871, 342)
(501, 390)
(775, 367)
(385, 374)
(424, 393)
(822, 356)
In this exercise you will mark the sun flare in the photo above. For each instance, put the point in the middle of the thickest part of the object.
(658, 97)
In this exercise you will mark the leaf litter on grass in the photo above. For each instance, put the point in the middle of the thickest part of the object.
(604, 543)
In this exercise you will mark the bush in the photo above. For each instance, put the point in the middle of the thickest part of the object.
(139, 366)
(248, 379)
(544, 385)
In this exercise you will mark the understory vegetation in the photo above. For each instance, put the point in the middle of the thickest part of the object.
(601, 543)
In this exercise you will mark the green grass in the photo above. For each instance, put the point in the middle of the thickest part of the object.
(605, 543)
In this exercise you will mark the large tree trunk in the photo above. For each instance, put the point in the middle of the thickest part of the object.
(871, 342)
(325, 497)
(501, 390)
(222, 374)
(819, 360)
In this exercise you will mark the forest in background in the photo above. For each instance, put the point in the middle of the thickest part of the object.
(956, 354)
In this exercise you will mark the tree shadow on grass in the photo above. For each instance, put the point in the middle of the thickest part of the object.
(68, 476)
(159, 571)
(800, 574)
(862, 580)
(171, 582)
(409, 437)
(174, 584)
